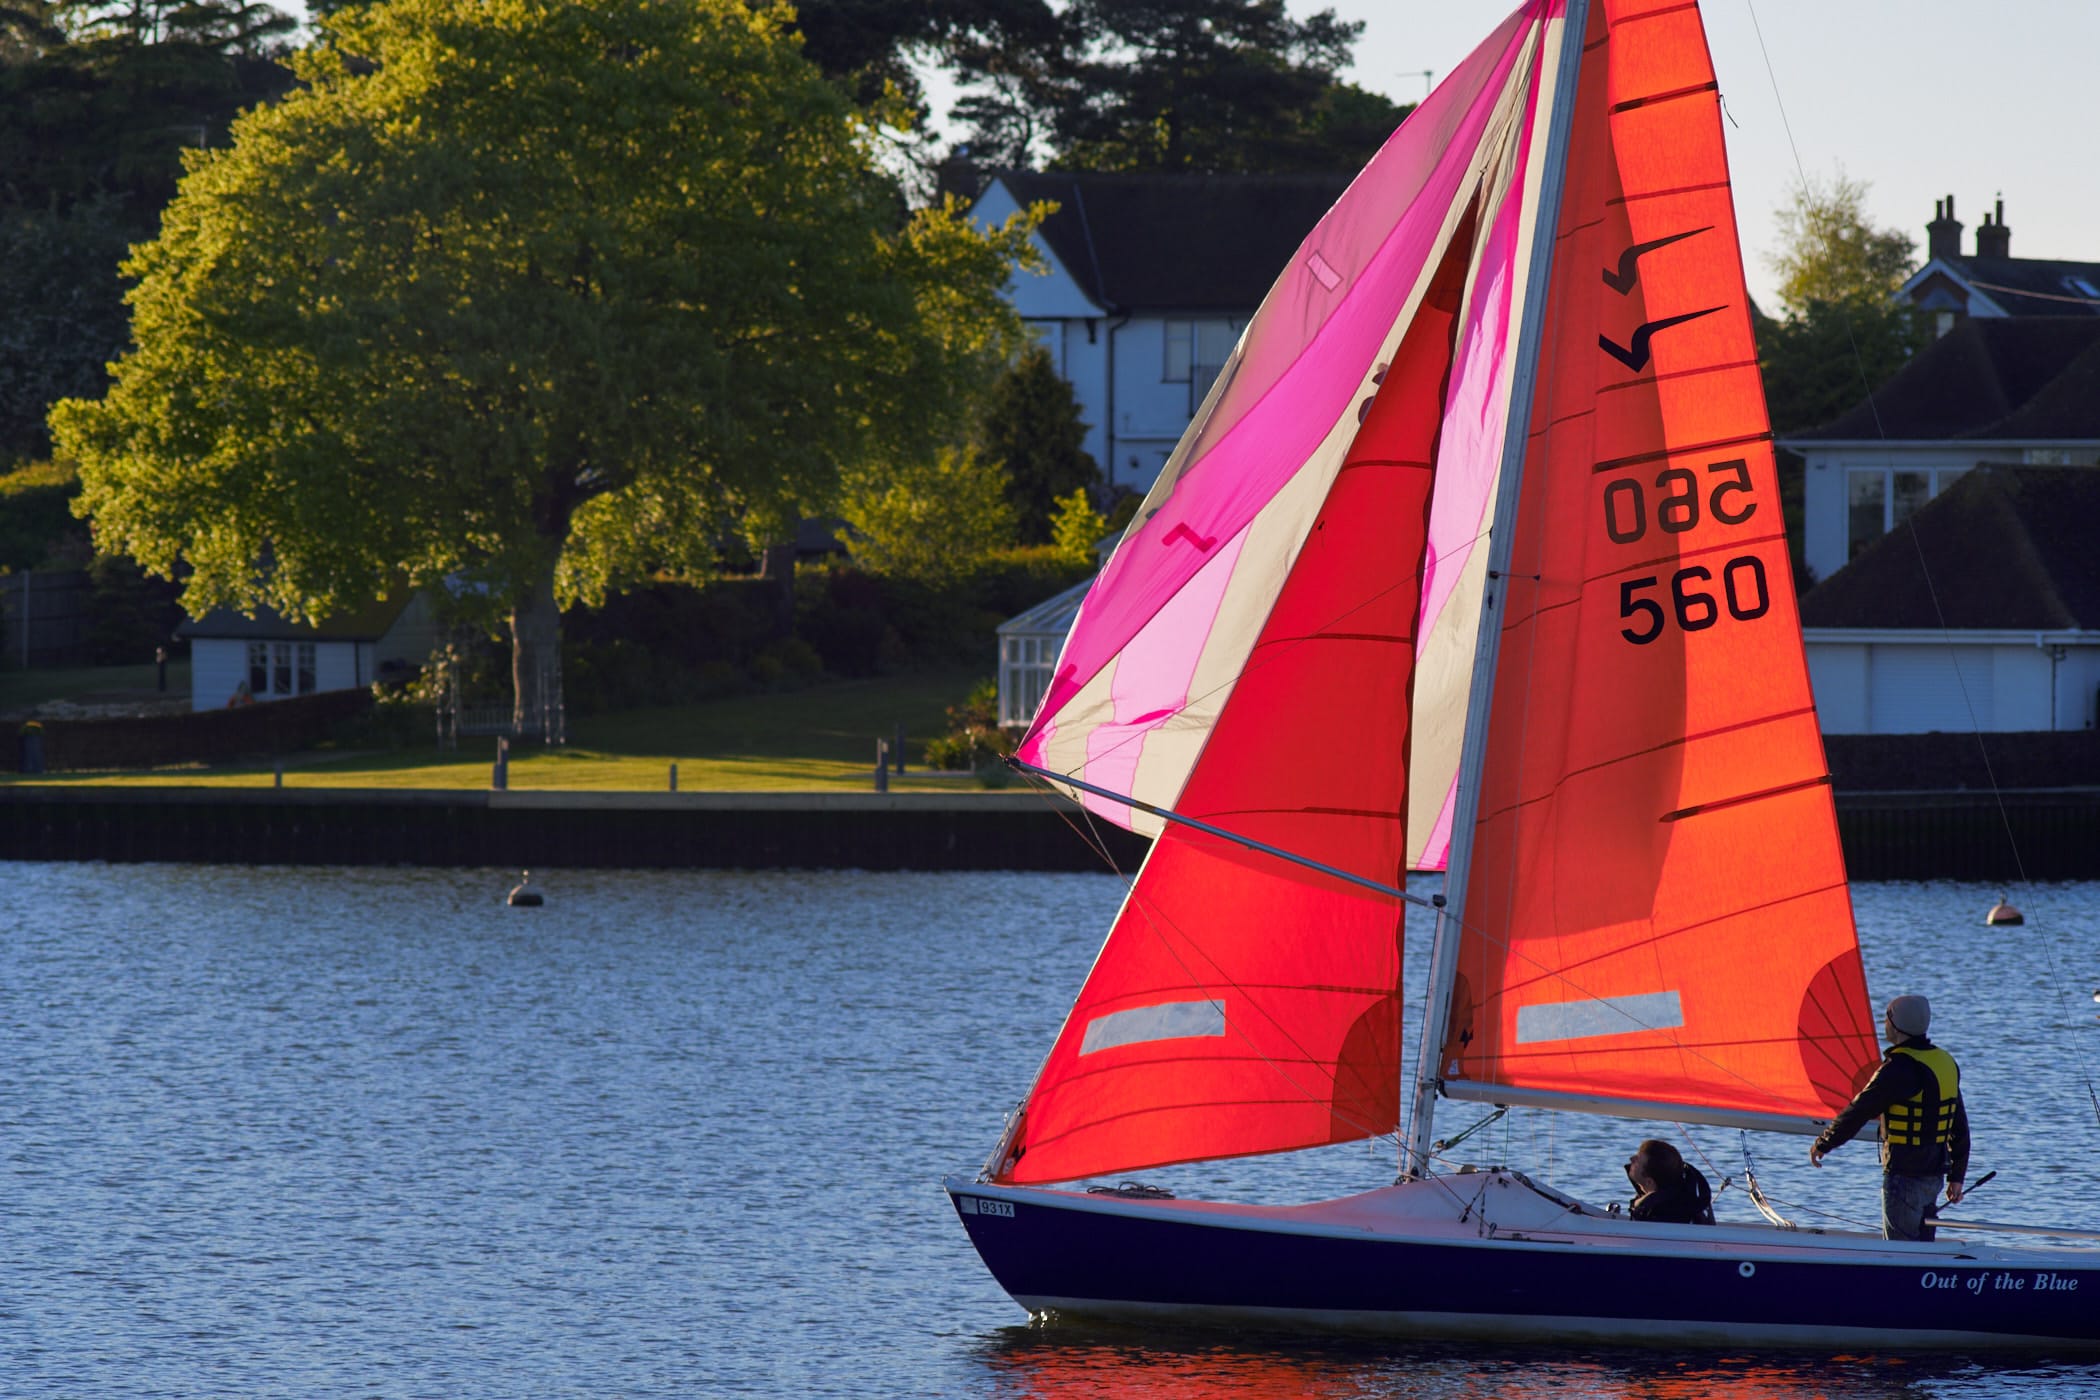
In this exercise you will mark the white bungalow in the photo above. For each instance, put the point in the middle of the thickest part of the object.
(1983, 616)
(236, 659)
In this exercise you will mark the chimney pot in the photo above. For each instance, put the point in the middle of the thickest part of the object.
(1993, 238)
(1943, 234)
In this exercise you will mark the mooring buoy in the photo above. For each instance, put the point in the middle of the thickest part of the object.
(522, 898)
(2003, 913)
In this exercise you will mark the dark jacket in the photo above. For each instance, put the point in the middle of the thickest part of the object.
(1896, 1081)
(1686, 1201)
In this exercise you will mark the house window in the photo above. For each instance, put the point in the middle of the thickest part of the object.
(277, 670)
(1866, 508)
(1214, 342)
(1878, 499)
(1028, 661)
(1196, 351)
(1912, 489)
(1181, 352)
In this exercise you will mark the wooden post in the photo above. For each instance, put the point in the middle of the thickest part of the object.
(882, 765)
(500, 778)
(674, 777)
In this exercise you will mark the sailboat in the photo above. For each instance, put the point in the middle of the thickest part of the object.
(1473, 560)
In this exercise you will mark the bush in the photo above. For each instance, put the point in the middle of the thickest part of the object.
(929, 521)
(974, 741)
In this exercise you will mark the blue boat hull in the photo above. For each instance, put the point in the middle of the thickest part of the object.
(1575, 1277)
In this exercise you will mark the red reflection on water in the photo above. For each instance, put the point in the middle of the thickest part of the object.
(1067, 1362)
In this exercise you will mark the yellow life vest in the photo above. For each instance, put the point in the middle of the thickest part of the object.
(1910, 1123)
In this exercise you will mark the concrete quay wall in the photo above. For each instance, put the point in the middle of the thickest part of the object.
(1891, 836)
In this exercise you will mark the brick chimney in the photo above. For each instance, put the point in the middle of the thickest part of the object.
(1943, 234)
(1993, 238)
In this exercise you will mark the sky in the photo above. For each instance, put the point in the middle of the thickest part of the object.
(1918, 98)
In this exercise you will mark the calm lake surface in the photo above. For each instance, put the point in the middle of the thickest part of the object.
(306, 1132)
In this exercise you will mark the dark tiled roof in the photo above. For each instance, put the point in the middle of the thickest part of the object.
(2033, 286)
(366, 624)
(1990, 378)
(1177, 242)
(2004, 547)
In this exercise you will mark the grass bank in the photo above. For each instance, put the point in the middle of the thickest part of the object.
(822, 738)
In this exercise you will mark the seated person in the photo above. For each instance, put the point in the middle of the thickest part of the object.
(1669, 1189)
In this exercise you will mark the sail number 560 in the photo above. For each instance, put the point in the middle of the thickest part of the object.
(1692, 604)
(1677, 505)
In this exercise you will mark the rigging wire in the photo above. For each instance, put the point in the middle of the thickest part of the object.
(2024, 881)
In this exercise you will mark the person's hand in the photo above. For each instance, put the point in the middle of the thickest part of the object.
(1815, 1154)
(1953, 1193)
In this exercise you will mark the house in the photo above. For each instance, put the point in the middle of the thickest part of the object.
(1028, 646)
(1993, 283)
(1148, 282)
(1983, 616)
(266, 658)
(2009, 389)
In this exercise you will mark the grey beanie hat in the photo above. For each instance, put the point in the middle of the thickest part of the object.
(1911, 1015)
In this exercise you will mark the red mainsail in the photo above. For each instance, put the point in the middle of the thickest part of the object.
(1657, 920)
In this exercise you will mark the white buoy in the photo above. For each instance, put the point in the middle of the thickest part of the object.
(522, 898)
(2003, 913)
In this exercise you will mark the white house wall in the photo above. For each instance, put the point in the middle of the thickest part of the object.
(217, 668)
(1923, 686)
(2078, 688)
(1839, 675)
(1052, 294)
(1085, 366)
(218, 665)
(1132, 429)
(1825, 506)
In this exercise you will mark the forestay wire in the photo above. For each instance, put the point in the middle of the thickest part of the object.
(2056, 977)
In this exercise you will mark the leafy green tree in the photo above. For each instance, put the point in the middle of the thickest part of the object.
(1842, 331)
(931, 519)
(1077, 528)
(1828, 251)
(1031, 423)
(868, 44)
(61, 312)
(506, 287)
(1213, 85)
(36, 519)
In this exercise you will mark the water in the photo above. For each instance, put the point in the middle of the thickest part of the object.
(297, 1132)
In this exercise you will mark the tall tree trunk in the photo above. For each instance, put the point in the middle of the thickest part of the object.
(535, 664)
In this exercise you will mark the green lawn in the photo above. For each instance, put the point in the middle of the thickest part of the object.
(820, 738)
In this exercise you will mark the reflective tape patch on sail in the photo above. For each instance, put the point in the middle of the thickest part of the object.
(1593, 1016)
(1169, 1020)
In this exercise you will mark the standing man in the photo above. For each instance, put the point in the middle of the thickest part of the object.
(1924, 1126)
